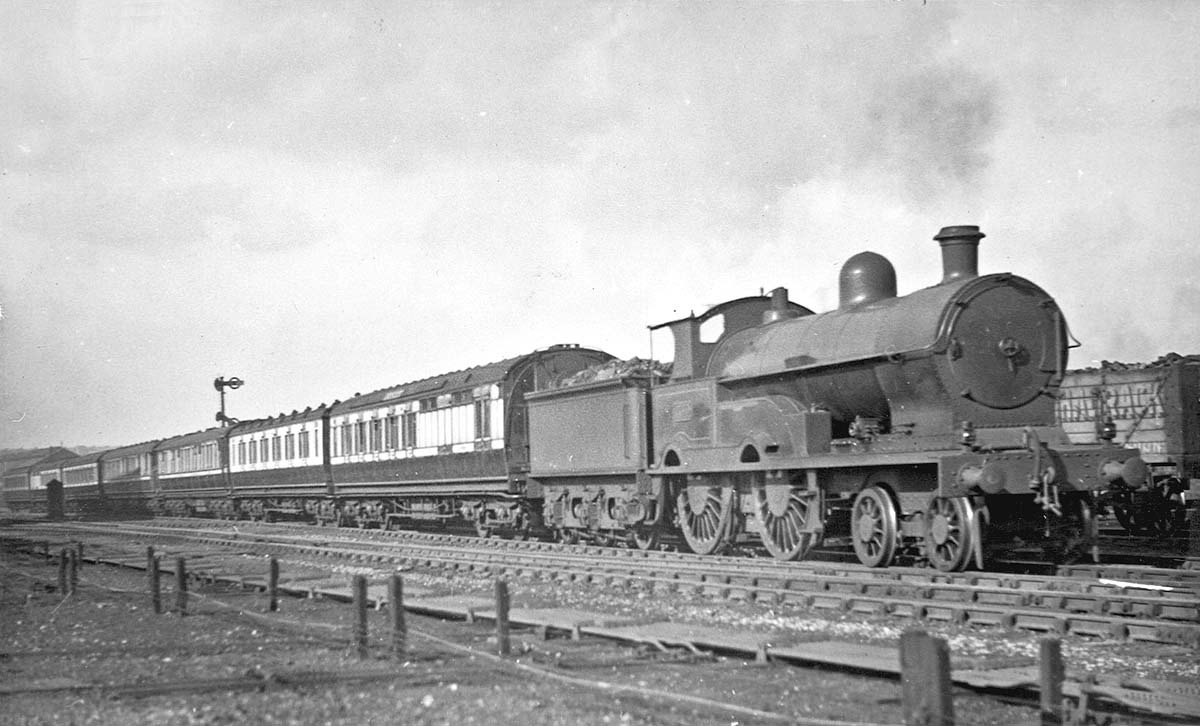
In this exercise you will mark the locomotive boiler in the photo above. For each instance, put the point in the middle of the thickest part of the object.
(921, 423)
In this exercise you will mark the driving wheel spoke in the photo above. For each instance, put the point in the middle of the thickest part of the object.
(783, 513)
(706, 517)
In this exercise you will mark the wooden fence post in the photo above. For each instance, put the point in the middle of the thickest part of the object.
(360, 614)
(1051, 673)
(503, 645)
(273, 586)
(63, 580)
(155, 580)
(925, 679)
(72, 571)
(399, 627)
(180, 586)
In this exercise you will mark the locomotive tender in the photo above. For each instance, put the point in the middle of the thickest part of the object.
(923, 422)
(920, 425)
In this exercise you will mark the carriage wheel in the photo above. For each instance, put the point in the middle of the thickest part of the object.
(783, 511)
(949, 533)
(874, 527)
(706, 517)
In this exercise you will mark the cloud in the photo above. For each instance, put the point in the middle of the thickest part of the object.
(327, 199)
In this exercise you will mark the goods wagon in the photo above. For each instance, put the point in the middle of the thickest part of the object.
(1154, 407)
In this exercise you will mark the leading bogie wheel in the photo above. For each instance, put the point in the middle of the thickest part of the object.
(874, 527)
(950, 530)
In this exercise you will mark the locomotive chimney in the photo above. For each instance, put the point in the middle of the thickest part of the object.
(960, 252)
(779, 310)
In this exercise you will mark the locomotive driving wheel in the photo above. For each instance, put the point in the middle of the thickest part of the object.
(874, 527)
(706, 517)
(783, 513)
(950, 533)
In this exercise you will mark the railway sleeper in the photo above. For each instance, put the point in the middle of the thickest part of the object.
(993, 597)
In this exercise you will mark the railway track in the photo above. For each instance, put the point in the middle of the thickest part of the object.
(1073, 605)
(1084, 601)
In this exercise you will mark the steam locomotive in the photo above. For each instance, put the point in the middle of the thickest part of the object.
(921, 422)
(920, 425)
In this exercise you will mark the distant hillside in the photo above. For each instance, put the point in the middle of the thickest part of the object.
(85, 450)
(79, 450)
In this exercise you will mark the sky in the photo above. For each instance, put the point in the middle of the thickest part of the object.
(328, 198)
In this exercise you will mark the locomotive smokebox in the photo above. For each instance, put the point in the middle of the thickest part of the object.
(960, 252)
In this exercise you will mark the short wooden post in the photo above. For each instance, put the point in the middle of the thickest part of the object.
(46, 550)
(360, 614)
(63, 580)
(1051, 674)
(273, 586)
(399, 627)
(925, 679)
(72, 571)
(79, 552)
(154, 580)
(1194, 533)
(180, 586)
(503, 645)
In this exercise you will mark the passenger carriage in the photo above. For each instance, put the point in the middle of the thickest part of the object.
(127, 475)
(279, 468)
(191, 475)
(446, 447)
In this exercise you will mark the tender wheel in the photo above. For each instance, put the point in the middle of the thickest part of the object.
(949, 533)
(1073, 534)
(874, 527)
(706, 517)
(1125, 518)
(644, 538)
(1172, 519)
(783, 512)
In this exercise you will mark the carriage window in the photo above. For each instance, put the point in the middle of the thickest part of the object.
(376, 434)
(409, 430)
